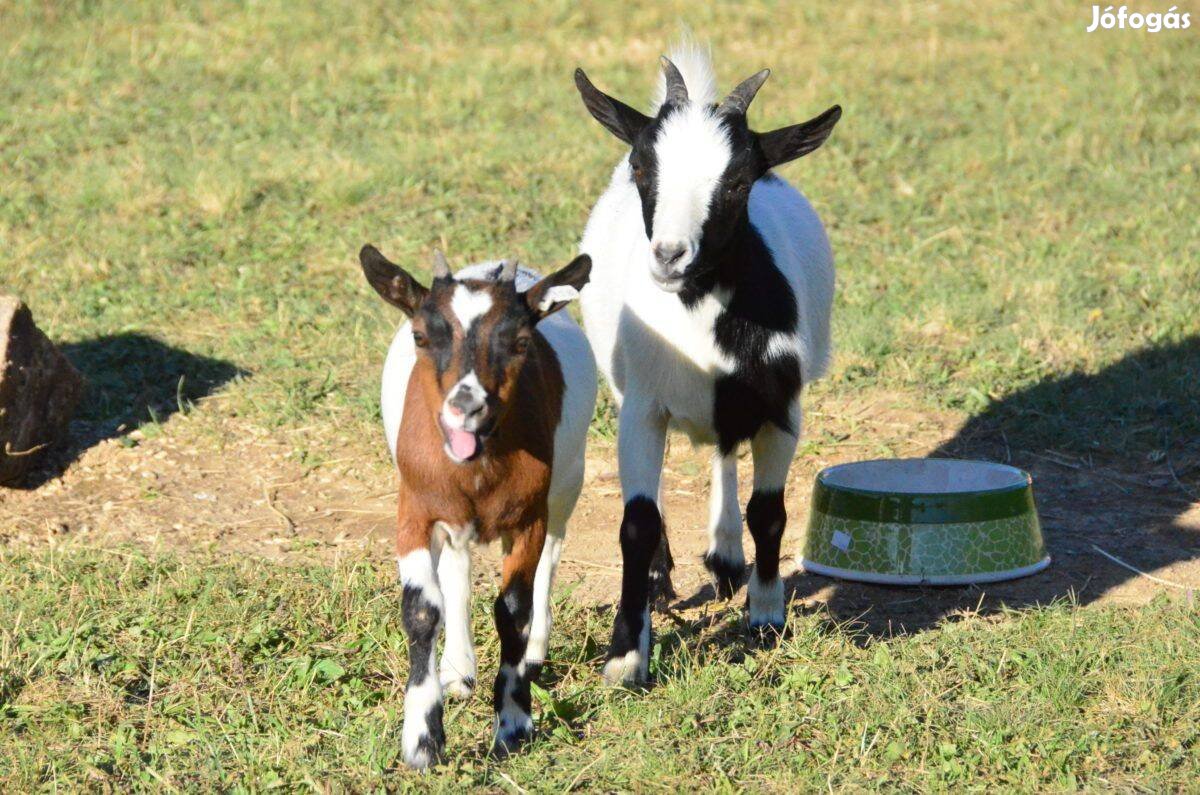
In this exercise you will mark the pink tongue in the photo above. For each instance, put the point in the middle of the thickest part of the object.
(462, 443)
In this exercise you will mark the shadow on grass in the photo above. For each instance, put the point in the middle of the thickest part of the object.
(1115, 457)
(132, 380)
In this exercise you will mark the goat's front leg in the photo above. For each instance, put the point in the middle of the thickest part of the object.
(510, 698)
(423, 737)
(773, 449)
(642, 433)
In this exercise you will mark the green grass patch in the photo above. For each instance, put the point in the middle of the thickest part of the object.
(118, 670)
(1003, 210)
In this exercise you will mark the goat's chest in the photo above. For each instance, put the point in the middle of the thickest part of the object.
(716, 372)
(489, 497)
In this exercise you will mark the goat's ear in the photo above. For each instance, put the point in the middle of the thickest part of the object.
(560, 288)
(616, 117)
(391, 282)
(788, 143)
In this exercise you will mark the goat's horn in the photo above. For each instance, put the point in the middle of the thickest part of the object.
(740, 98)
(508, 270)
(441, 268)
(676, 89)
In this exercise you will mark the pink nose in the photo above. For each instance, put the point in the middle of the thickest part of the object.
(453, 410)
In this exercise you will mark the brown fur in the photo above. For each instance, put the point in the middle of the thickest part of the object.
(502, 492)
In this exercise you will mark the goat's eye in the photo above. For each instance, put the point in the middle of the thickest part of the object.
(420, 340)
(737, 189)
(521, 345)
(638, 173)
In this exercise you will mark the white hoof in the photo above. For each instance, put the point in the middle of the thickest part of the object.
(631, 669)
(458, 687)
(765, 601)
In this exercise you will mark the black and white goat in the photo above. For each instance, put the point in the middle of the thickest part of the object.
(708, 309)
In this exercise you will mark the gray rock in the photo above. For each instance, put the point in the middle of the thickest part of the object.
(39, 390)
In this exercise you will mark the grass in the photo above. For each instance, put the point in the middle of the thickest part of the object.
(119, 670)
(1003, 211)
(184, 187)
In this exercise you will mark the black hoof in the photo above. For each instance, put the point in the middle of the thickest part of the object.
(662, 590)
(533, 670)
(766, 636)
(727, 577)
(509, 740)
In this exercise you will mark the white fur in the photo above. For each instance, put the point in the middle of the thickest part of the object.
(725, 515)
(693, 152)
(540, 620)
(416, 570)
(477, 398)
(694, 62)
(458, 669)
(765, 602)
(469, 305)
(772, 450)
(557, 293)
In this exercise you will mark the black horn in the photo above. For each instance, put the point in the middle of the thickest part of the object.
(740, 98)
(677, 93)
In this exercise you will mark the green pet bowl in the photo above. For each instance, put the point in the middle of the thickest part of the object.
(924, 521)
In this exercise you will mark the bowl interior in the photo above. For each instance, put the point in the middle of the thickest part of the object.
(923, 476)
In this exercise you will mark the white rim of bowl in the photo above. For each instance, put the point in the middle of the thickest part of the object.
(1023, 479)
(920, 579)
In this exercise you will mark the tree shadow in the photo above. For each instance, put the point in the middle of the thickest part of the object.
(132, 379)
(1115, 459)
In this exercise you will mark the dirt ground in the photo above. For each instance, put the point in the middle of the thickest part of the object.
(239, 492)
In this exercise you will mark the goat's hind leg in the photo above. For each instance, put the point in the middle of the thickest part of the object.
(458, 657)
(725, 560)
(510, 698)
(543, 584)
(773, 449)
(423, 737)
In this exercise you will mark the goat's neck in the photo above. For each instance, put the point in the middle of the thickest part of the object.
(724, 266)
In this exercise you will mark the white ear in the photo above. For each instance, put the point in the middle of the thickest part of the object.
(558, 294)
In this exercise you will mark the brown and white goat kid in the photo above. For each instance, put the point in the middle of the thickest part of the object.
(487, 396)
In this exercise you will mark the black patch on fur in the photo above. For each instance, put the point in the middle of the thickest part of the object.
(761, 388)
(662, 590)
(533, 670)
(641, 531)
(766, 518)
(512, 610)
(421, 619)
(440, 336)
(643, 160)
(433, 743)
(727, 577)
(520, 693)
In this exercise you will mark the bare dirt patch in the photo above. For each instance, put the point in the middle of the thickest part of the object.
(218, 485)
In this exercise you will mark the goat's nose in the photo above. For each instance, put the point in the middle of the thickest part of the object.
(464, 404)
(669, 252)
